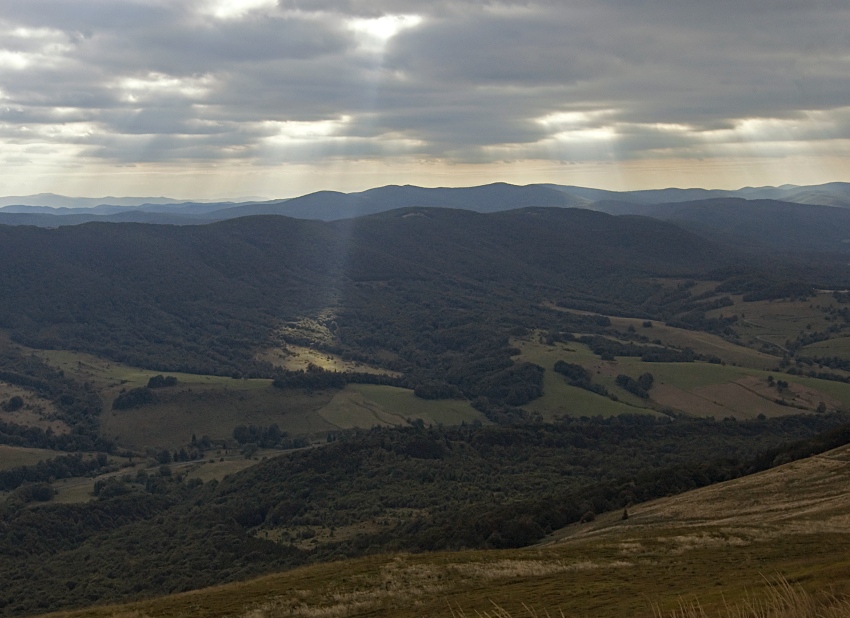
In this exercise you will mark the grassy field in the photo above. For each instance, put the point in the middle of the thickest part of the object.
(719, 546)
(840, 347)
(15, 456)
(214, 405)
(772, 323)
(561, 399)
(701, 389)
(214, 410)
(763, 327)
(700, 342)
(219, 464)
(403, 403)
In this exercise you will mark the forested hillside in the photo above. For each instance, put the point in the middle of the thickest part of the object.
(201, 298)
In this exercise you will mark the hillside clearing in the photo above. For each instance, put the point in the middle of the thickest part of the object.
(299, 358)
(15, 456)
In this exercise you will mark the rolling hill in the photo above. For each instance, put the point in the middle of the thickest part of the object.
(769, 224)
(202, 298)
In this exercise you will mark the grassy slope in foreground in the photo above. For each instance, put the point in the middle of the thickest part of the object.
(716, 545)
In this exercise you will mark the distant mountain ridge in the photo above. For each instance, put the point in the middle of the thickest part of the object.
(40, 202)
(496, 197)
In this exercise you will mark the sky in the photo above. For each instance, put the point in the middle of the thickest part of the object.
(277, 98)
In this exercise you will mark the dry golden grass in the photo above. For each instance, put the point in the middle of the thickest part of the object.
(782, 600)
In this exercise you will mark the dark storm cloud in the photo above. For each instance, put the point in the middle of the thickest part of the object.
(462, 81)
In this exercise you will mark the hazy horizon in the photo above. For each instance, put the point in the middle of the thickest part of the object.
(102, 199)
(220, 98)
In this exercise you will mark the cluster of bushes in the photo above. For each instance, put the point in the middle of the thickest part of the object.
(697, 320)
(514, 386)
(13, 404)
(820, 375)
(134, 398)
(36, 437)
(316, 378)
(670, 355)
(607, 349)
(160, 381)
(639, 387)
(33, 492)
(77, 405)
(833, 362)
(50, 469)
(577, 375)
(266, 437)
(500, 413)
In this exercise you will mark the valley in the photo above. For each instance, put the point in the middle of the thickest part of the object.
(215, 403)
(456, 309)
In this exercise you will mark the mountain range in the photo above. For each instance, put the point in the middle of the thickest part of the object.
(48, 210)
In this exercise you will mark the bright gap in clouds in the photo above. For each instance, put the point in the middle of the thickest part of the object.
(374, 33)
(14, 61)
(233, 9)
(158, 85)
(288, 131)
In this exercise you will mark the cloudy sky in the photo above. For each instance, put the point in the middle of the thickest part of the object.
(225, 98)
